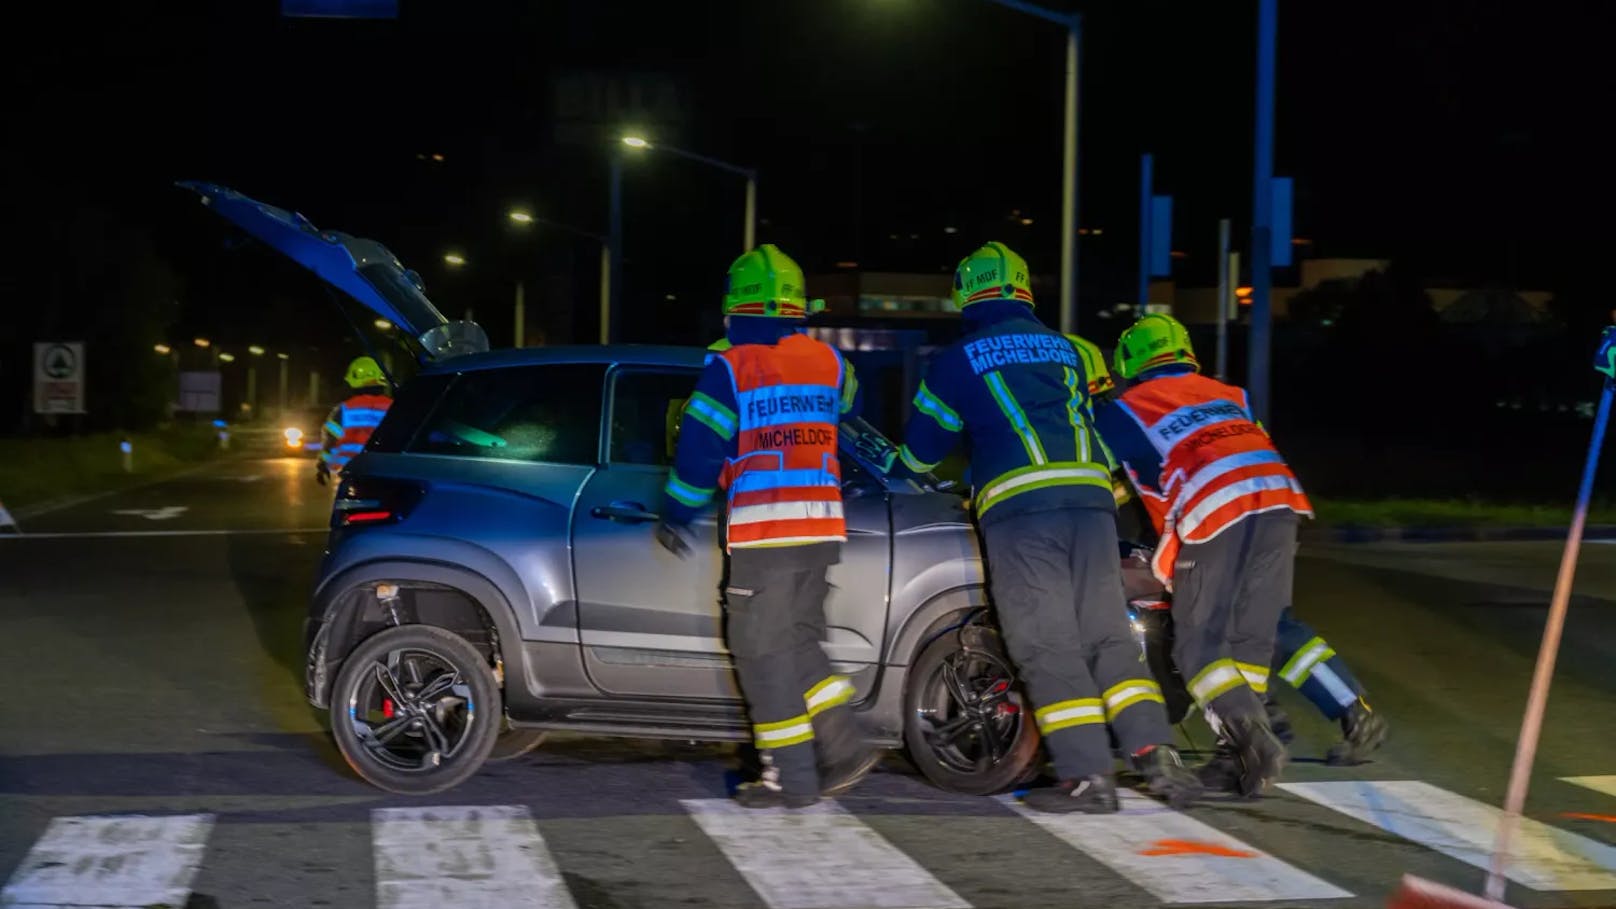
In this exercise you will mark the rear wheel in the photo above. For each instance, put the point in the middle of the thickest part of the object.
(965, 725)
(415, 709)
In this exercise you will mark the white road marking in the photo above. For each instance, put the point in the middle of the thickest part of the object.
(94, 534)
(113, 861)
(818, 858)
(1179, 859)
(484, 857)
(166, 513)
(1544, 857)
(1605, 784)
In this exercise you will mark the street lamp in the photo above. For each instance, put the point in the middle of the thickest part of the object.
(525, 218)
(454, 260)
(255, 350)
(749, 232)
(226, 358)
(1073, 23)
(383, 324)
(163, 349)
(201, 342)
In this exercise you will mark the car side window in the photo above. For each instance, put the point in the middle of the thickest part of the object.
(646, 408)
(548, 413)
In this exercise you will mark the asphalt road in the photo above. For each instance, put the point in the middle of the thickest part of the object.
(149, 643)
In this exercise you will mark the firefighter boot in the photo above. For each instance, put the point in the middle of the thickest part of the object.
(767, 792)
(844, 754)
(1365, 732)
(1262, 757)
(1221, 772)
(1095, 794)
(1165, 775)
(1278, 720)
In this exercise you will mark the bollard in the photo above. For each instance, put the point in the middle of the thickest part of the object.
(128, 450)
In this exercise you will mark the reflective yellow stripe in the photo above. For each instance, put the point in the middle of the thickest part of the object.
(1219, 677)
(1123, 695)
(1297, 669)
(835, 689)
(1256, 676)
(794, 731)
(1062, 714)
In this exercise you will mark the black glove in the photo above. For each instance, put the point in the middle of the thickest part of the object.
(672, 539)
(322, 473)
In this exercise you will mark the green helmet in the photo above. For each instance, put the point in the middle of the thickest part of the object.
(720, 345)
(364, 371)
(766, 282)
(1093, 360)
(1155, 340)
(993, 272)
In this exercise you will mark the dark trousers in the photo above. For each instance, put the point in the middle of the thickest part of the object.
(1056, 582)
(775, 603)
(1310, 665)
(1228, 594)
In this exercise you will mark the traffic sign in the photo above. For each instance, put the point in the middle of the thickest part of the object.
(59, 377)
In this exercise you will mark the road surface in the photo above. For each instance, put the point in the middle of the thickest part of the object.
(156, 749)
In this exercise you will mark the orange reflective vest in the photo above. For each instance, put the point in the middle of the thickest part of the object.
(1216, 465)
(350, 426)
(785, 482)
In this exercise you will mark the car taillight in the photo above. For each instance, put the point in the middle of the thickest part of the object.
(366, 501)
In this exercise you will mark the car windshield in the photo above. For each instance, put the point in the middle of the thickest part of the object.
(878, 454)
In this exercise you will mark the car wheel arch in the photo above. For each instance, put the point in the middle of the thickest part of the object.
(942, 611)
(342, 603)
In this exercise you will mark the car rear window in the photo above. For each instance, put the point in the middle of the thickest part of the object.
(547, 413)
(415, 400)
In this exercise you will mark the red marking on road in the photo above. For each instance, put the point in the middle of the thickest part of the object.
(1191, 847)
(1583, 816)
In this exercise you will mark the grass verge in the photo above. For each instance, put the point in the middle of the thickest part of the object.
(1450, 513)
(36, 470)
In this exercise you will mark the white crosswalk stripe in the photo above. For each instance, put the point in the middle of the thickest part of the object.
(1544, 857)
(486, 856)
(1179, 859)
(112, 862)
(818, 858)
(1605, 784)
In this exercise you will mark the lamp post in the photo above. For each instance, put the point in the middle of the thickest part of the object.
(1073, 23)
(608, 260)
(749, 226)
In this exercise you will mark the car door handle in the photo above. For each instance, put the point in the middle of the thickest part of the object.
(624, 511)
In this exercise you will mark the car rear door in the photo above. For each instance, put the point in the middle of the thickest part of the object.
(651, 624)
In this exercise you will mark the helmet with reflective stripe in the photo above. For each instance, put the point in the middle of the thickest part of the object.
(993, 272)
(364, 371)
(766, 282)
(1093, 360)
(1155, 340)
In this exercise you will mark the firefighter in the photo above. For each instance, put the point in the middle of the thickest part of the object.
(349, 425)
(762, 426)
(1041, 492)
(1302, 658)
(1228, 508)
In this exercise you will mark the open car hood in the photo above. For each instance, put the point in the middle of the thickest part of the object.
(362, 269)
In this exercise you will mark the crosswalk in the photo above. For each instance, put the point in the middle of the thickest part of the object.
(831, 855)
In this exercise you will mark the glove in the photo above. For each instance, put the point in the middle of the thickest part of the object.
(672, 539)
(322, 473)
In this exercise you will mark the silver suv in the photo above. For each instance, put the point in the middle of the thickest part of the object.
(491, 572)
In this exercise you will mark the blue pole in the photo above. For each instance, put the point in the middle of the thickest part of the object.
(1262, 210)
(1146, 179)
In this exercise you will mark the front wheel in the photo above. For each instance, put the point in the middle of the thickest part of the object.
(415, 709)
(965, 724)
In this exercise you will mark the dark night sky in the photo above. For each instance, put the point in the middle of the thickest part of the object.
(1464, 139)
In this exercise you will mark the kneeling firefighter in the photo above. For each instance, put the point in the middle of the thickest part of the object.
(762, 425)
(1048, 524)
(1228, 507)
(349, 425)
(1301, 657)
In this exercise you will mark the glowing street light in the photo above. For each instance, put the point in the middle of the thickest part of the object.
(163, 349)
(281, 356)
(636, 142)
(454, 259)
(520, 216)
(202, 342)
(255, 350)
(227, 358)
(383, 324)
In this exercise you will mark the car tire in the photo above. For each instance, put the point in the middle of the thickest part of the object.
(513, 743)
(930, 709)
(435, 741)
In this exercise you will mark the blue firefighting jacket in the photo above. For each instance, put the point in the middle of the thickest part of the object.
(1017, 390)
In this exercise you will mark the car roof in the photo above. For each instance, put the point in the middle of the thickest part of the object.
(629, 354)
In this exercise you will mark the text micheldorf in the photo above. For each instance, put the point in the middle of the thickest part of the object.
(994, 351)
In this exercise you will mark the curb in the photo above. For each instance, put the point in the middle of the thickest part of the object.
(1364, 533)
